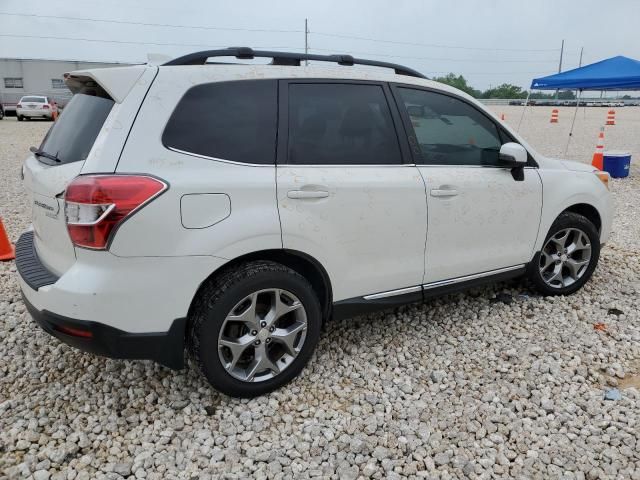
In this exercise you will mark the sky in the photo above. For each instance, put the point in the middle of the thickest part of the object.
(488, 41)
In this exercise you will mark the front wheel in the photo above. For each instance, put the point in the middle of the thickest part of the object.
(568, 257)
(253, 328)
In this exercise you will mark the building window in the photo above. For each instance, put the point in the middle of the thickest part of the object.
(13, 82)
(57, 83)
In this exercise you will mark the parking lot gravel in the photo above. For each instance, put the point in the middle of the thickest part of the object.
(495, 382)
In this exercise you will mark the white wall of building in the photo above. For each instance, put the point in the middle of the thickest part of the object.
(38, 77)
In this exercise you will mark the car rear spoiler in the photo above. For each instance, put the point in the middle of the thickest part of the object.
(114, 82)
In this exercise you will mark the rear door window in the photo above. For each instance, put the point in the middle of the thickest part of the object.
(340, 124)
(74, 133)
(234, 121)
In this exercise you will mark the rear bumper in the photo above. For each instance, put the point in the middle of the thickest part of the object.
(34, 113)
(129, 308)
(166, 348)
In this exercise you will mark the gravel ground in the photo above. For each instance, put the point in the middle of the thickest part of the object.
(462, 387)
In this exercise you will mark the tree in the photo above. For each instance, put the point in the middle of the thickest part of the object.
(459, 82)
(538, 95)
(566, 95)
(506, 90)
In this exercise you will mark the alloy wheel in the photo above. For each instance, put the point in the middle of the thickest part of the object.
(262, 335)
(565, 258)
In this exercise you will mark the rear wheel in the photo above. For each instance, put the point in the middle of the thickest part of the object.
(568, 257)
(20, 118)
(253, 328)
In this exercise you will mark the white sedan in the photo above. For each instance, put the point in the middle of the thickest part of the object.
(36, 106)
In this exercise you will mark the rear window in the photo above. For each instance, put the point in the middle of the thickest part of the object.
(234, 121)
(341, 124)
(34, 99)
(72, 136)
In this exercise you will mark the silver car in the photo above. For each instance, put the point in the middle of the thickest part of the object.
(36, 106)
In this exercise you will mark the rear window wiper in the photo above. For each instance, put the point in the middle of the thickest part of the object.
(41, 153)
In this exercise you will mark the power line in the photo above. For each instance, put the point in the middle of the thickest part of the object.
(147, 24)
(442, 58)
(76, 39)
(354, 37)
(486, 73)
(265, 30)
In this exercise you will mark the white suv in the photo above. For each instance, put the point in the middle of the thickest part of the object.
(231, 209)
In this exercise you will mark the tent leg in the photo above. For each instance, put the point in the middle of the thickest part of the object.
(575, 112)
(526, 104)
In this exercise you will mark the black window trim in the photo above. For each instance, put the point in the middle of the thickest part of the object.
(411, 137)
(282, 150)
(218, 159)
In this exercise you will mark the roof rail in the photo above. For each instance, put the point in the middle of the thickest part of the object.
(286, 58)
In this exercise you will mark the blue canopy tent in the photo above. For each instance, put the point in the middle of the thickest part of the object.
(616, 73)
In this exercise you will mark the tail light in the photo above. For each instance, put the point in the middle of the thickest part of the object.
(45, 106)
(95, 205)
(19, 105)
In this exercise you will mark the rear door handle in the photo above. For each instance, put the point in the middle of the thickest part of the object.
(302, 194)
(443, 192)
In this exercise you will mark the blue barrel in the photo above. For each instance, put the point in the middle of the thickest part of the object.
(617, 164)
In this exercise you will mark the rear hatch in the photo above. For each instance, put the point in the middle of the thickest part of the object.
(57, 161)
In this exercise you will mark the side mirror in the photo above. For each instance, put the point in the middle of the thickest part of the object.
(513, 155)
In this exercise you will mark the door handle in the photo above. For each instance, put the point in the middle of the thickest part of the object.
(302, 194)
(443, 192)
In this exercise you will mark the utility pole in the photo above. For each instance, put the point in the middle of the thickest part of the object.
(306, 40)
(579, 65)
(581, 50)
(561, 52)
(560, 64)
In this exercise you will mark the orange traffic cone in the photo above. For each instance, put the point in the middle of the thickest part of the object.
(7, 250)
(598, 155)
(611, 117)
(554, 116)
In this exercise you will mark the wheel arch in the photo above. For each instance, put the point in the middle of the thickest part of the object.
(302, 263)
(588, 211)
(589, 208)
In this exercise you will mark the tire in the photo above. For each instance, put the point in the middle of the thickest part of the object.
(1, 114)
(236, 291)
(555, 270)
(20, 118)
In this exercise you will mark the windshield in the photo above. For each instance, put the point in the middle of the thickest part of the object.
(33, 99)
(72, 136)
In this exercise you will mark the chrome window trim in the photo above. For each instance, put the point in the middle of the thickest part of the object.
(529, 167)
(289, 165)
(233, 162)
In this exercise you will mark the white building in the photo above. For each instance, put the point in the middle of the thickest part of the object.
(20, 77)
